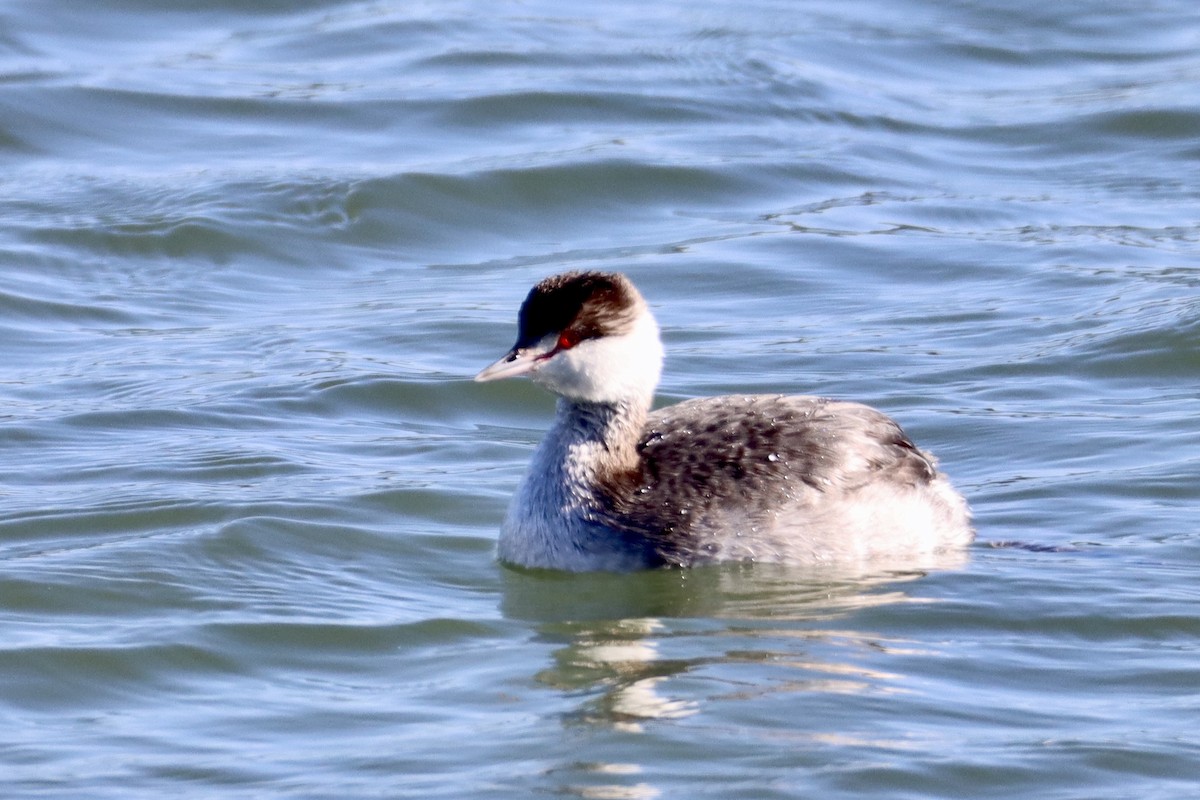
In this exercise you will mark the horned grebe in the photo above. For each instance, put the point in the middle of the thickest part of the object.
(616, 486)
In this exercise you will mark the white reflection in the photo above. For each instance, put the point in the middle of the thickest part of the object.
(732, 634)
(603, 772)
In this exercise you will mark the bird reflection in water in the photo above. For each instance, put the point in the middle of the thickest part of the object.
(658, 647)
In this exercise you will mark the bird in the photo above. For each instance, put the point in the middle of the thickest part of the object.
(617, 486)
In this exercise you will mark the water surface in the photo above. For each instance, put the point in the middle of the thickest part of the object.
(252, 255)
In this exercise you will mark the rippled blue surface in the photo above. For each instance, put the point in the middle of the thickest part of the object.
(251, 254)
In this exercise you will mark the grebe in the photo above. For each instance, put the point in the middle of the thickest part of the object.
(616, 486)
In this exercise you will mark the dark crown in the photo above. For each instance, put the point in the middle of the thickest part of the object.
(589, 304)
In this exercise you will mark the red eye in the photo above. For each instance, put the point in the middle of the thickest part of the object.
(567, 340)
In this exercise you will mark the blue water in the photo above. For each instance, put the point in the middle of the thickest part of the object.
(251, 255)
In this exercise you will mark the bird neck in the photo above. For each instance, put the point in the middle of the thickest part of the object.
(596, 439)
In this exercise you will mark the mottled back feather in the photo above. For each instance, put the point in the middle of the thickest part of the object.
(747, 456)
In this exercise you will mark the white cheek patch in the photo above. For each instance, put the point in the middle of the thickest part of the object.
(560, 374)
(607, 369)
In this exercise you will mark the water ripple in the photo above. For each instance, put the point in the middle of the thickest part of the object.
(252, 254)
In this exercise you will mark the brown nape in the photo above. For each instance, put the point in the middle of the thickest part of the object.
(591, 304)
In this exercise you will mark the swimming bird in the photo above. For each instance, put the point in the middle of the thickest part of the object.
(773, 478)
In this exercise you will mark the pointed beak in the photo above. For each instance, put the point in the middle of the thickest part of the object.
(516, 362)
